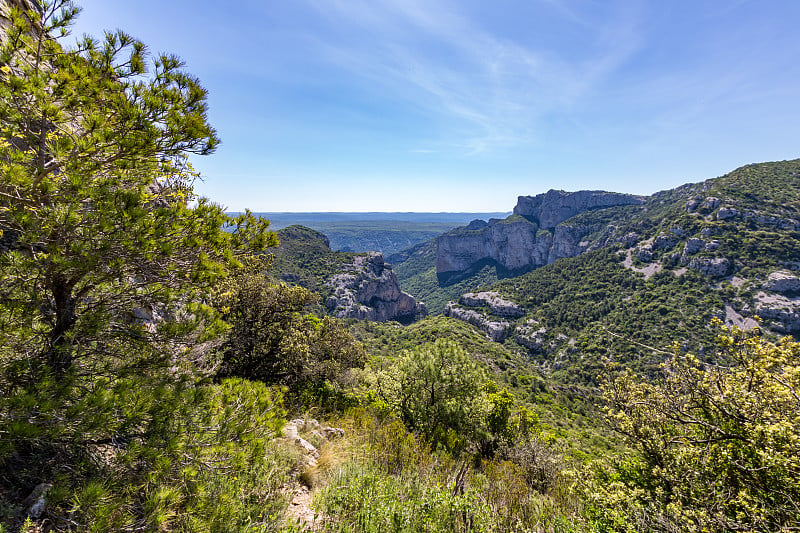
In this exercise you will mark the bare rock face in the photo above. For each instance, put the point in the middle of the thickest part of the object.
(554, 207)
(693, 246)
(665, 241)
(497, 305)
(368, 290)
(715, 267)
(513, 245)
(644, 252)
(496, 330)
(534, 236)
(782, 281)
(568, 242)
(532, 336)
(784, 311)
(724, 213)
(487, 311)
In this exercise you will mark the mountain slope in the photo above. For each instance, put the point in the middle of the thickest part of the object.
(651, 275)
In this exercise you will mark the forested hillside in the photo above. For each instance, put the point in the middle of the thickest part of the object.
(728, 248)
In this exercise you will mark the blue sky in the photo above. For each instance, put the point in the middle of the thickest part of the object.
(462, 105)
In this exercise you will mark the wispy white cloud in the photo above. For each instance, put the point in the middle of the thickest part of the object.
(487, 89)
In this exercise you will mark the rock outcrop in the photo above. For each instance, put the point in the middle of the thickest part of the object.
(782, 281)
(368, 290)
(532, 336)
(497, 306)
(782, 310)
(536, 234)
(715, 267)
(496, 330)
(21, 5)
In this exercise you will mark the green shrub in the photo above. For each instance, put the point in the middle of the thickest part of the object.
(717, 446)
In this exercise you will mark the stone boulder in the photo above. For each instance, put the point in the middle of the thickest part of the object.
(782, 281)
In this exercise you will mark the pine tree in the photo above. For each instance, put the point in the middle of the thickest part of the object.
(97, 195)
(107, 260)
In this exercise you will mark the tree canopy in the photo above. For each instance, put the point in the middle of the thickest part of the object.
(107, 265)
(96, 200)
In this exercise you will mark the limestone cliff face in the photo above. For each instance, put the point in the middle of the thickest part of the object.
(513, 245)
(554, 207)
(536, 235)
(368, 290)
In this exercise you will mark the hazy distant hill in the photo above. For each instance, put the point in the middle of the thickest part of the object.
(379, 232)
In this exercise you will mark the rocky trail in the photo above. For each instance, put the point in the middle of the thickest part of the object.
(299, 513)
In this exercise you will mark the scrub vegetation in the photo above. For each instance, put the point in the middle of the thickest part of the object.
(152, 350)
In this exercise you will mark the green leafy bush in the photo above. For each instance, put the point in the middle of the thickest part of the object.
(717, 446)
(275, 339)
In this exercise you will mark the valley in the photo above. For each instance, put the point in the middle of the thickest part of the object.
(589, 361)
(375, 232)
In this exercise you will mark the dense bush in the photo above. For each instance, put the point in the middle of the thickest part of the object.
(393, 481)
(717, 446)
(181, 457)
(275, 339)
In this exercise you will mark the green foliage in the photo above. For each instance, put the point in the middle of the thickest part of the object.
(436, 390)
(97, 194)
(566, 412)
(273, 339)
(304, 257)
(439, 391)
(393, 482)
(718, 446)
(416, 272)
(182, 457)
(107, 263)
(597, 311)
(614, 314)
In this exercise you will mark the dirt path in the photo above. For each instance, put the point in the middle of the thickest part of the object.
(299, 511)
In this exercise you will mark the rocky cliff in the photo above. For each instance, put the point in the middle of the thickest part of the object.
(361, 286)
(554, 207)
(537, 234)
(488, 312)
(367, 289)
(20, 5)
